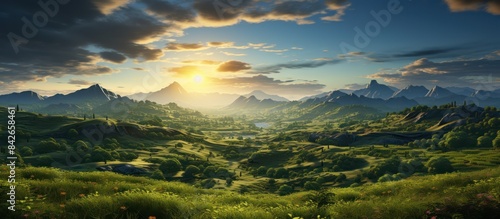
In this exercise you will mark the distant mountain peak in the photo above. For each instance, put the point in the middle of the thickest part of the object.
(175, 87)
(411, 92)
(373, 83)
(439, 92)
(252, 97)
(261, 95)
(375, 90)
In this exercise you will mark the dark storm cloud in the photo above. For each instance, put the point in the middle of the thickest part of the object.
(121, 33)
(170, 11)
(72, 39)
(113, 56)
(58, 48)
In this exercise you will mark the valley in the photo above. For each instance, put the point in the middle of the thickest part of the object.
(330, 156)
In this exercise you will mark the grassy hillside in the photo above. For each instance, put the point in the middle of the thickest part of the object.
(52, 193)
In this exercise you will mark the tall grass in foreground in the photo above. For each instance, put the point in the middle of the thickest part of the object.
(52, 193)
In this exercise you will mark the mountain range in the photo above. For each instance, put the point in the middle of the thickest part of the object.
(380, 96)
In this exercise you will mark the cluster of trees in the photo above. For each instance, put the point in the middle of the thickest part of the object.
(342, 162)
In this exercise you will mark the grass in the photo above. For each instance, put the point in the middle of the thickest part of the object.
(48, 192)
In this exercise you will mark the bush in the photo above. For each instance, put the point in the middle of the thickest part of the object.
(281, 173)
(26, 151)
(190, 171)
(261, 171)
(270, 172)
(439, 165)
(72, 133)
(170, 166)
(285, 190)
(457, 139)
(311, 185)
(157, 174)
(496, 142)
(209, 171)
(80, 146)
(49, 145)
(44, 160)
(208, 183)
(485, 141)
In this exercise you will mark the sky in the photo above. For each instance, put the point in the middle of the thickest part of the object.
(291, 48)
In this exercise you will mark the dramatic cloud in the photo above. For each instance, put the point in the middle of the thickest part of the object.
(262, 82)
(108, 6)
(79, 82)
(113, 56)
(71, 41)
(426, 52)
(431, 52)
(169, 11)
(221, 44)
(294, 65)
(473, 73)
(185, 46)
(492, 6)
(233, 66)
(59, 48)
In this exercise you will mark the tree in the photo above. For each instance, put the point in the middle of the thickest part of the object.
(438, 165)
(311, 185)
(17, 108)
(209, 171)
(99, 154)
(190, 171)
(270, 172)
(93, 116)
(72, 133)
(457, 139)
(496, 142)
(49, 145)
(157, 174)
(485, 141)
(26, 151)
(261, 171)
(285, 190)
(170, 166)
(281, 173)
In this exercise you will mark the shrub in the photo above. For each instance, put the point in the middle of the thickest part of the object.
(72, 133)
(281, 173)
(439, 165)
(285, 190)
(485, 141)
(270, 172)
(26, 151)
(209, 171)
(190, 171)
(208, 183)
(261, 171)
(170, 166)
(157, 174)
(311, 185)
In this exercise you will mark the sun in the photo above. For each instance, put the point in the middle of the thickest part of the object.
(197, 78)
